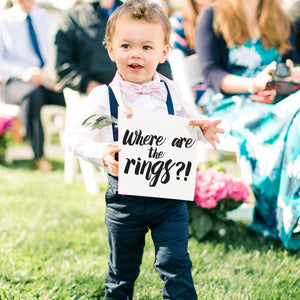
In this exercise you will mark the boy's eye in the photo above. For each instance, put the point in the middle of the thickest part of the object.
(146, 47)
(125, 46)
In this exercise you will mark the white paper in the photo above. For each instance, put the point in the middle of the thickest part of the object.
(157, 157)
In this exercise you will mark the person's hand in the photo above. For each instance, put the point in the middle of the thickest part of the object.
(295, 72)
(109, 157)
(33, 75)
(266, 96)
(209, 129)
(260, 81)
(91, 86)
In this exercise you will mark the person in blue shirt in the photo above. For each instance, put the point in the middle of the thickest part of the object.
(24, 45)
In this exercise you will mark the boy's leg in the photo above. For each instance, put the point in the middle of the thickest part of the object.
(126, 236)
(170, 236)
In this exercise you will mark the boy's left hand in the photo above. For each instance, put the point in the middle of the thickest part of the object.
(209, 129)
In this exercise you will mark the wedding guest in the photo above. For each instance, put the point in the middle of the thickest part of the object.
(24, 43)
(184, 22)
(239, 43)
(81, 60)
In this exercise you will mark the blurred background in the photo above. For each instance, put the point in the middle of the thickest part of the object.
(65, 4)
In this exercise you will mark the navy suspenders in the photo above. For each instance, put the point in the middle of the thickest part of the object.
(113, 111)
(114, 108)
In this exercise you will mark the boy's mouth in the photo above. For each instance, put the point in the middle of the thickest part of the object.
(136, 66)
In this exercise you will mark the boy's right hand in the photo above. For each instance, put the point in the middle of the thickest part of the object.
(109, 157)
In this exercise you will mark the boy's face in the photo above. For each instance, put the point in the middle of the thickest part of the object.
(137, 47)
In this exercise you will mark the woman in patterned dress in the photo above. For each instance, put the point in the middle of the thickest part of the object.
(239, 43)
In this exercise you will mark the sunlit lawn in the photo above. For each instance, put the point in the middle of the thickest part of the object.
(53, 246)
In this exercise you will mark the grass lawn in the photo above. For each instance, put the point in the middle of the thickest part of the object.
(53, 246)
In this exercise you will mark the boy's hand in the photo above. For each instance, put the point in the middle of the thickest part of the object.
(109, 157)
(209, 129)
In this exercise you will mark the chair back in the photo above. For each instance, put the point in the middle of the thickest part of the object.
(186, 73)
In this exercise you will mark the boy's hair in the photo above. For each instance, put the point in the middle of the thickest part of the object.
(139, 10)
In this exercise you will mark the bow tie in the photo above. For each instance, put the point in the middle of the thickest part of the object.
(132, 91)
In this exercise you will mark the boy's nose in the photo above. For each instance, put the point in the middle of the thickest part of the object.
(136, 53)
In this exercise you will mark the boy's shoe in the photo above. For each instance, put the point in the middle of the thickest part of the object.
(42, 164)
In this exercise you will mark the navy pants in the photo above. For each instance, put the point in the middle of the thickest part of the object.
(128, 219)
(31, 99)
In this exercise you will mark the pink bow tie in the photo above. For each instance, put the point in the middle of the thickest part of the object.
(157, 90)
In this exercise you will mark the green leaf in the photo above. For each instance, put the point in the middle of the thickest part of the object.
(99, 121)
(201, 225)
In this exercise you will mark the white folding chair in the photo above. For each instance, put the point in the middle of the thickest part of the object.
(53, 120)
(74, 101)
(186, 72)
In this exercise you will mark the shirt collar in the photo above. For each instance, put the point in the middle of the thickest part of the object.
(22, 13)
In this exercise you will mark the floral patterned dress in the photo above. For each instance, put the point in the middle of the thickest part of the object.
(269, 140)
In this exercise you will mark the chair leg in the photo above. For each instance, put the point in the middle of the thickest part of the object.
(70, 167)
(74, 103)
(17, 130)
(89, 177)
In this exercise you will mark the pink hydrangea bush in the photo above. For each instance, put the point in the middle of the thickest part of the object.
(5, 124)
(212, 186)
(216, 193)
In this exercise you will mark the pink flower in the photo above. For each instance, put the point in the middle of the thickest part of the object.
(212, 186)
(5, 124)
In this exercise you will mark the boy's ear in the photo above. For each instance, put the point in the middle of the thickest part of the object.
(110, 51)
(165, 54)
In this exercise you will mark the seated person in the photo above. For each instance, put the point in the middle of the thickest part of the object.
(238, 64)
(24, 42)
(183, 23)
(81, 60)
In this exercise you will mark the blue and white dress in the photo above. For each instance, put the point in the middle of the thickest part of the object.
(269, 140)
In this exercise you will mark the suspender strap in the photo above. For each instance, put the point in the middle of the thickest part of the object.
(113, 111)
(170, 106)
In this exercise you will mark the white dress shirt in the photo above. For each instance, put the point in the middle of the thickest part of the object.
(16, 50)
(89, 144)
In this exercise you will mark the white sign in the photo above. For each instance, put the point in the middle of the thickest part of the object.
(157, 157)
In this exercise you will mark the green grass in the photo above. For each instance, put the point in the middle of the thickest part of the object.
(53, 246)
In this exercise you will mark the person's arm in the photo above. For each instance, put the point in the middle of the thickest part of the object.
(212, 51)
(232, 84)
